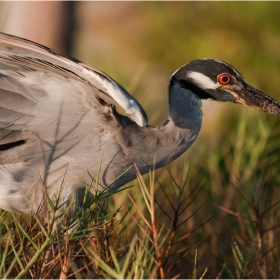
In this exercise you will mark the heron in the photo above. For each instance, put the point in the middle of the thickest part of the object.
(59, 121)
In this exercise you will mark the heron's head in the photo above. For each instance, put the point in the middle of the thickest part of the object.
(217, 80)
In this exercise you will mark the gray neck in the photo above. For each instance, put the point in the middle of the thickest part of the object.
(168, 141)
(184, 109)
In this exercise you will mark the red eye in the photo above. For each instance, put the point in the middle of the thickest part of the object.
(224, 79)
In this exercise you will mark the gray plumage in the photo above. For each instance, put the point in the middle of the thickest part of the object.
(58, 119)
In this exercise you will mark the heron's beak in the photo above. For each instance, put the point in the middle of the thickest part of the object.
(256, 99)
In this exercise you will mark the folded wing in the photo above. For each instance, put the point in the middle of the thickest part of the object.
(56, 111)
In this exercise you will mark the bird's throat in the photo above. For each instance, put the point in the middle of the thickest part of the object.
(184, 108)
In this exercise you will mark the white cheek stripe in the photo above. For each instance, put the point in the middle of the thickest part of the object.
(202, 81)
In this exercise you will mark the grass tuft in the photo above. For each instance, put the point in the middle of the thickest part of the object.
(215, 218)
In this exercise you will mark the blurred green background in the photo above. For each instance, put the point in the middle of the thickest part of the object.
(140, 44)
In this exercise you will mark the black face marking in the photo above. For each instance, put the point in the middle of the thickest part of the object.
(194, 88)
(211, 69)
(208, 67)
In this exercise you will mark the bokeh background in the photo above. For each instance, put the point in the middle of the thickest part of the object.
(140, 44)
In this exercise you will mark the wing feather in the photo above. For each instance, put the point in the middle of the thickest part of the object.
(56, 113)
(27, 56)
(46, 95)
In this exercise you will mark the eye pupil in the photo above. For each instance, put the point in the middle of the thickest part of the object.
(224, 79)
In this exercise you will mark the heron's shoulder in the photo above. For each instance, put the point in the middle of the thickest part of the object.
(19, 56)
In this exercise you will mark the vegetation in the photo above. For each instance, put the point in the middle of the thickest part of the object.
(215, 218)
(213, 213)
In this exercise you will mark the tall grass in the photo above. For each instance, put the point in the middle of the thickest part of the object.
(217, 217)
